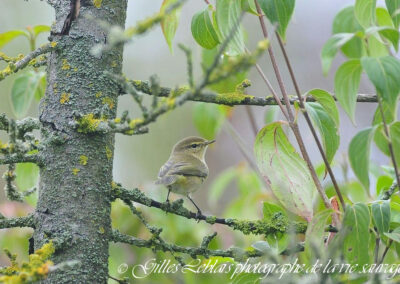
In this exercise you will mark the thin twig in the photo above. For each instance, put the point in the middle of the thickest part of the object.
(252, 120)
(309, 123)
(292, 122)
(390, 146)
(27, 221)
(15, 67)
(385, 251)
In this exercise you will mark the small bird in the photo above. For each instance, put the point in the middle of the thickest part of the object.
(186, 169)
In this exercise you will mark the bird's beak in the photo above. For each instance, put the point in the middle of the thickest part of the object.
(209, 142)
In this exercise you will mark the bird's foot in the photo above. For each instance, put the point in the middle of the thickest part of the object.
(168, 205)
(198, 215)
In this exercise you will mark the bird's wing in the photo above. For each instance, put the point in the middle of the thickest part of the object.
(189, 169)
(171, 171)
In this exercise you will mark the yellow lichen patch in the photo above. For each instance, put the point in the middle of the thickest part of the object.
(97, 3)
(232, 98)
(114, 64)
(29, 272)
(135, 122)
(5, 57)
(7, 71)
(177, 92)
(83, 160)
(101, 230)
(75, 171)
(99, 94)
(109, 153)
(65, 65)
(75, 69)
(109, 101)
(88, 123)
(3, 146)
(64, 98)
(53, 44)
(117, 120)
(170, 102)
(114, 185)
(32, 62)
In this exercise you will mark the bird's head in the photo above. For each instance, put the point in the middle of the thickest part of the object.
(194, 146)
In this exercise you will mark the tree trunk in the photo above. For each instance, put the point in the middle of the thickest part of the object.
(75, 179)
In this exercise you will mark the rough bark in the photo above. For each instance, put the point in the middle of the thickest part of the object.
(74, 197)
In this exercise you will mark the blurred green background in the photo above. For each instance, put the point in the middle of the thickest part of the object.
(232, 189)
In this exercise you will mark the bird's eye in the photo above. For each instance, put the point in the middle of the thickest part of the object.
(193, 146)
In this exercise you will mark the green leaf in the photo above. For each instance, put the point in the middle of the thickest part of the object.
(41, 29)
(10, 35)
(41, 89)
(383, 183)
(356, 223)
(208, 119)
(278, 12)
(393, 7)
(394, 131)
(347, 81)
(249, 6)
(359, 150)
(387, 32)
(325, 99)
(284, 169)
(27, 175)
(326, 127)
(229, 84)
(227, 16)
(270, 114)
(23, 90)
(384, 73)
(315, 241)
(376, 48)
(170, 22)
(261, 246)
(383, 17)
(270, 209)
(331, 47)
(346, 22)
(381, 215)
(220, 184)
(394, 235)
(364, 10)
(203, 30)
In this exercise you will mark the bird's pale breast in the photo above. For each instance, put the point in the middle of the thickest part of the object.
(186, 184)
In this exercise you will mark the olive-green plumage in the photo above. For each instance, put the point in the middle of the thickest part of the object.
(186, 169)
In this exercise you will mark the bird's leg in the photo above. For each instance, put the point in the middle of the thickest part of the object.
(169, 191)
(198, 214)
(167, 201)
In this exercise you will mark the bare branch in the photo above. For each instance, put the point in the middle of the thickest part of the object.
(231, 99)
(21, 158)
(15, 67)
(27, 221)
(235, 253)
(257, 227)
